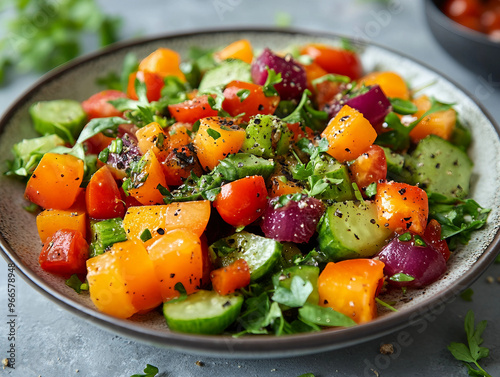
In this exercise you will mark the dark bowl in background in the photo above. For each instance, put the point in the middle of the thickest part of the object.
(472, 49)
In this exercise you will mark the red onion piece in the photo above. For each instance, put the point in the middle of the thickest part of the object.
(293, 74)
(423, 263)
(294, 222)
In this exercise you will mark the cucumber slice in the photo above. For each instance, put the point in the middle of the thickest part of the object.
(267, 136)
(261, 254)
(64, 118)
(307, 273)
(104, 234)
(241, 165)
(224, 73)
(351, 230)
(440, 167)
(203, 312)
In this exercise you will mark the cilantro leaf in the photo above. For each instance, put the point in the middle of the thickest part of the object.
(273, 78)
(150, 371)
(472, 352)
(332, 78)
(296, 296)
(401, 277)
(107, 126)
(75, 283)
(243, 94)
(179, 287)
(296, 116)
(402, 106)
(213, 134)
(467, 294)
(324, 316)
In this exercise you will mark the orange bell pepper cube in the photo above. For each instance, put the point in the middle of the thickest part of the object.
(144, 183)
(241, 49)
(55, 183)
(164, 62)
(152, 136)
(349, 134)
(350, 286)
(226, 280)
(280, 186)
(160, 219)
(177, 258)
(64, 253)
(402, 207)
(440, 123)
(216, 138)
(391, 84)
(122, 281)
(50, 221)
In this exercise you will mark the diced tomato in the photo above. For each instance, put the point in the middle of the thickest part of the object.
(244, 97)
(370, 167)
(65, 253)
(402, 207)
(432, 236)
(192, 110)
(97, 106)
(102, 196)
(335, 60)
(154, 85)
(243, 201)
(299, 133)
(226, 280)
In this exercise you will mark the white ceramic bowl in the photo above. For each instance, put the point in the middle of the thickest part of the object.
(20, 243)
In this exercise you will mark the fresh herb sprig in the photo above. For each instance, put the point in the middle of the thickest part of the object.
(149, 371)
(471, 352)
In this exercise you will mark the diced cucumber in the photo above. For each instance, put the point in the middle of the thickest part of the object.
(267, 136)
(395, 161)
(461, 136)
(351, 230)
(241, 165)
(260, 253)
(307, 273)
(64, 118)
(104, 234)
(203, 312)
(288, 254)
(224, 73)
(328, 167)
(440, 167)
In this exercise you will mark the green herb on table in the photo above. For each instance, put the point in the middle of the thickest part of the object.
(43, 34)
(467, 294)
(75, 283)
(150, 371)
(472, 352)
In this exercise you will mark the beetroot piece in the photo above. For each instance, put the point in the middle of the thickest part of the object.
(293, 74)
(294, 222)
(423, 263)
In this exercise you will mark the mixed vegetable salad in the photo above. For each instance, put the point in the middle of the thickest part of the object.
(279, 192)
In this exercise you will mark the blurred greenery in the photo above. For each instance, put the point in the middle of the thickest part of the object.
(39, 35)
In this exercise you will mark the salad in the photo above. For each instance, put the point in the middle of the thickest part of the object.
(249, 193)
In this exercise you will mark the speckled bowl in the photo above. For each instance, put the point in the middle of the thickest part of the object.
(20, 243)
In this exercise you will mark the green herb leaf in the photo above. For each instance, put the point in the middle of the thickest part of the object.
(324, 316)
(273, 78)
(283, 200)
(179, 287)
(243, 94)
(145, 235)
(75, 283)
(213, 134)
(385, 304)
(401, 277)
(405, 237)
(357, 192)
(467, 294)
(296, 116)
(150, 371)
(108, 126)
(332, 78)
(296, 296)
(371, 189)
(404, 107)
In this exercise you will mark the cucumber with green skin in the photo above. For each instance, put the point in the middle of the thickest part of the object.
(64, 118)
(328, 167)
(260, 253)
(438, 166)
(267, 136)
(241, 165)
(351, 230)
(203, 312)
(224, 73)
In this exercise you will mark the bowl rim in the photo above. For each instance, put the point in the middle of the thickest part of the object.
(267, 346)
(433, 11)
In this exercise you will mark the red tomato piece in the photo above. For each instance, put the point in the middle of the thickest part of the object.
(154, 85)
(226, 280)
(251, 100)
(192, 110)
(97, 106)
(102, 196)
(335, 60)
(243, 201)
(370, 167)
(65, 253)
(432, 236)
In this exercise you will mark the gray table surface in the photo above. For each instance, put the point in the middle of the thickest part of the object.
(53, 342)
